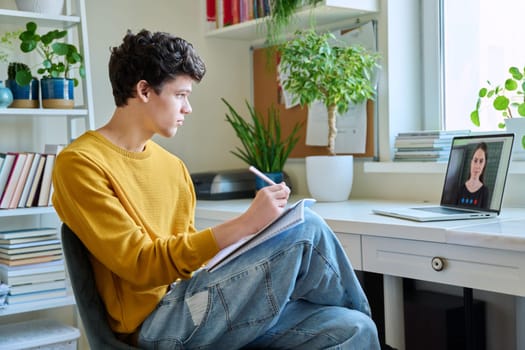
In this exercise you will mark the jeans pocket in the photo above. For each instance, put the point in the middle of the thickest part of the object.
(247, 297)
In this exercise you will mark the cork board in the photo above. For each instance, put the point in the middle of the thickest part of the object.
(267, 93)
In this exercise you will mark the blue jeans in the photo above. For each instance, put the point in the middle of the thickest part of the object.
(295, 291)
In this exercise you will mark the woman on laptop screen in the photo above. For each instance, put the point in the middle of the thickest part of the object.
(474, 193)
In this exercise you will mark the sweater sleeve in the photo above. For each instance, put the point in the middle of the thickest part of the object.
(97, 208)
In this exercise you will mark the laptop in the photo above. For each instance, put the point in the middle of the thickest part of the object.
(461, 198)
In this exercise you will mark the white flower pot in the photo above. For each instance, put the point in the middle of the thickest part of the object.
(517, 126)
(49, 7)
(329, 178)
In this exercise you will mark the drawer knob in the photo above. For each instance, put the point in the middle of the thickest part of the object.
(438, 263)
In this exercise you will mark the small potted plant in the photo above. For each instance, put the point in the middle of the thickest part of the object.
(58, 62)
(7, 41)
(25, 95)
(508, 99)
(263, 144)
(317, 67)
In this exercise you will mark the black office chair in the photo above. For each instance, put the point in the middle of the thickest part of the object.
(90, 306)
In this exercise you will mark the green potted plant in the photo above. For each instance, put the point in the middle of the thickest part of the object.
(508, 99)
(25, 95)
(59, 59)
(263, 144)
(317, 67)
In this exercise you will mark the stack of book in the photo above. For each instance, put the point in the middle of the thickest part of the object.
(31, 264)
(25, 178)
(222, 13)
(425, 146)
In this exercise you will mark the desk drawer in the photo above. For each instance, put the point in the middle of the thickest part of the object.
(352, 246)
(480, 268)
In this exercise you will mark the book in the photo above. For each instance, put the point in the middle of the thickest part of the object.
(32, 278)
(24, 298)
(433, 133)
(30, 254)
(425, 154)
(37, 287)
(5, 170)
(29, 261)
(29, 180)
(418, 143)
(37, 181)
(227, 14)
(45, 186)
(36, 243)
(21, 182)
(34, 269)
(210, 11)
(29, 249)
(14, 175)
(290, 217)
(27, 239)
(28, 232)
(35, 278)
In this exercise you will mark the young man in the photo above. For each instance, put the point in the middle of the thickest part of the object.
(132, 204)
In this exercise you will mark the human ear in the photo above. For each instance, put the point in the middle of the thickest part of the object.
(143, 90)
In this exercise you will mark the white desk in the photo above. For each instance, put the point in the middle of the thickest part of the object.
(485, 254)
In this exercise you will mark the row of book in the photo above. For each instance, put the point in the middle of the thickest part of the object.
(222, 13)
(25, 178)
(425, 146)
(31, 265)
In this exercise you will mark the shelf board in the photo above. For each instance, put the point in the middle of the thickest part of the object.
(44, 20)
(26, 211)
(43, 112)
(329, 12)
(68, 300)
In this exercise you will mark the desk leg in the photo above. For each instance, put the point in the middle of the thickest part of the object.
(394, 312)
(520, 322)
(467, 304)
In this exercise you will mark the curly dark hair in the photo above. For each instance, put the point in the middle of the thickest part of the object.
(154, 57)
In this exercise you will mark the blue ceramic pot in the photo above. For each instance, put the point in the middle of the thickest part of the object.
(57, 92)
(6, 96)
(277, 177)
(24, 96)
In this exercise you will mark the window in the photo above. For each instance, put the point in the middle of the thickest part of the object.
(480, 40)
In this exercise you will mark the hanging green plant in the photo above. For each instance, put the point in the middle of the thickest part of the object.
(281, 15)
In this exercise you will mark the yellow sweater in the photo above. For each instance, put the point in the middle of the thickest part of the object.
(135, 213)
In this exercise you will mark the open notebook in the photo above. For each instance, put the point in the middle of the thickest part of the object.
(457, 202)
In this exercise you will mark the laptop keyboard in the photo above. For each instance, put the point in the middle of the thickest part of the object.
(443, 210)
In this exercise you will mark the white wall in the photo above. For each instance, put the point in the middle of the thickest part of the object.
(205, 140)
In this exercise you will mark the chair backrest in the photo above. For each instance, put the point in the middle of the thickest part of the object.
(90, 306)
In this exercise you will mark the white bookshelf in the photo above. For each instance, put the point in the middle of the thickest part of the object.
(328, 14)
(74, 19)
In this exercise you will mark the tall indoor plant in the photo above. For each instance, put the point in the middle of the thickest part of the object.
(59, 59)
(319, 68)
(508, 99)
(263, 144)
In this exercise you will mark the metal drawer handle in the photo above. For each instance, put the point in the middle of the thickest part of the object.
(438, 263)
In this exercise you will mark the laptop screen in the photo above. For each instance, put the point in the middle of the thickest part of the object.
(477, 171)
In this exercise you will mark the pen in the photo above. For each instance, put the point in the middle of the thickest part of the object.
(261, 175)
